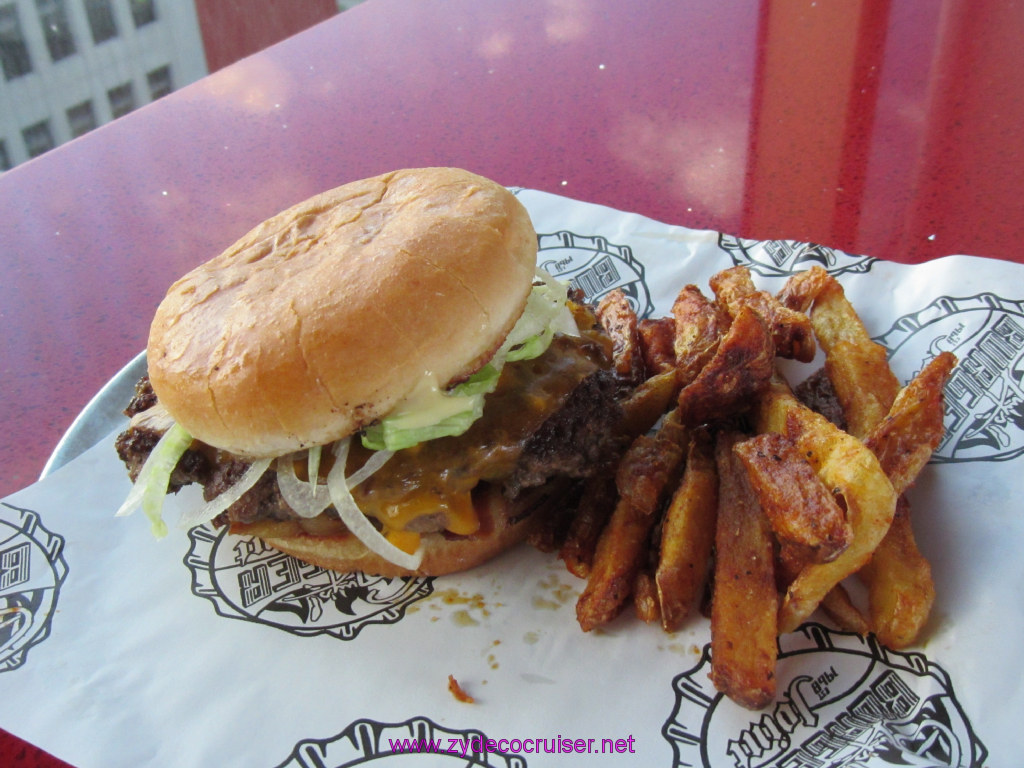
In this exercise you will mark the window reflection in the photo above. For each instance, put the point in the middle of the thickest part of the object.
(52, 67)
(53, 16)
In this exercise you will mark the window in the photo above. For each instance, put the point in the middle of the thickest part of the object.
(13, 49)
(143, 11)
(102, 23)
(122, 99)
(56, 28)
(38, 138)
(5, 159)
(159, 82)
(81, 118)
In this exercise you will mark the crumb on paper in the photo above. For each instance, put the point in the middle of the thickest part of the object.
(458, 692)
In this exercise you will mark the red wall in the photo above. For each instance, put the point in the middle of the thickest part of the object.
(232, 30)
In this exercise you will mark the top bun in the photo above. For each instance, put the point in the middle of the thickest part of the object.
(322, 318)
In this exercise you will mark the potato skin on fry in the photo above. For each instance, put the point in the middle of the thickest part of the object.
(688, 535)
(801, 510)
(741, 367)
(744, 607)
(648, 469)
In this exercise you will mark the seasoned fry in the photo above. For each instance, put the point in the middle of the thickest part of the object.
(646, 473)
(620, 323)
(901, 590)
(657, 344)
(648, 403)
(745, 603)
(645, 597)
(595, 507)
(801, 511)
(688, 534)
(845, 464)
(700, 326)
(908, 435)
(741, 367)
(790, 329)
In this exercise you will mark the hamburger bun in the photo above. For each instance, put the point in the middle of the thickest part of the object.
(324, 317)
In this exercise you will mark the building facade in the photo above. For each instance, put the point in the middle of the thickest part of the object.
(67, 66)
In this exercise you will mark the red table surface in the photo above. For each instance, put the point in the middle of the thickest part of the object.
(891, 129)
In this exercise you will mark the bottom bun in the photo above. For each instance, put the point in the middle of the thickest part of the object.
(511, 521)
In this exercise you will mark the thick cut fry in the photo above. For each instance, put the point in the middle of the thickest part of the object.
(646, 472)
(908, 435)
(857, 367)
(741, 367)
(645, 597)
(687, 535)
(801, 511)
(699, 329)
(657, 343)
(745, 604)
(899, 578)
(791, 330)
(620, 323)
(900, 586)
(595, 507)
(802, 288)
(844, 464)
(648, 403)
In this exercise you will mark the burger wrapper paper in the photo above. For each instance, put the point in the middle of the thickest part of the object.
(204, 649)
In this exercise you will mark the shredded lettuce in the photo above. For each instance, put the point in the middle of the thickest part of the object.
(430, 413)
(153, 479)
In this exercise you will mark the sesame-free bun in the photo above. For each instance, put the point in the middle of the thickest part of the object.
(322, 318)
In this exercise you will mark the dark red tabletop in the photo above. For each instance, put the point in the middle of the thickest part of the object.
(890, 129)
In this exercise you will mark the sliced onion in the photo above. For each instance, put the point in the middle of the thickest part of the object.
(358, 523)
(214, 507)
(151, 483)
(313, 466)
(377, 460)
(306, 500)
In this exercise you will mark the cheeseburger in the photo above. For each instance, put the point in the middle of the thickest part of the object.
(377, 379)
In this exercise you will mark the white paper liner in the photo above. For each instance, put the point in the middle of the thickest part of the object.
(201, 650)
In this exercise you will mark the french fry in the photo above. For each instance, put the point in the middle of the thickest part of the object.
(645, 597)
(592, 513)
(790, 329)
(648, 403)
(740, 368)
(620, 323)
(844, 464)
(912, 429)
(688, 535)
(800, 509)
(901, 590)
(648, 469)
(657, 343)
(745, 602)
(699, 326)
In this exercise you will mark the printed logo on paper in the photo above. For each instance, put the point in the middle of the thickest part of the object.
(782, 258)
(844, 701)
(246, 579)
(32, 571)
(595, 266)
(985, 393)
(418, 741)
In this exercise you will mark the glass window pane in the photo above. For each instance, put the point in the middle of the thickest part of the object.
(14, 56)
(102, 23)
(38, 138)
(81, 118)
(143, 11)
(122, 99)
(159, 82)
(56, 28)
